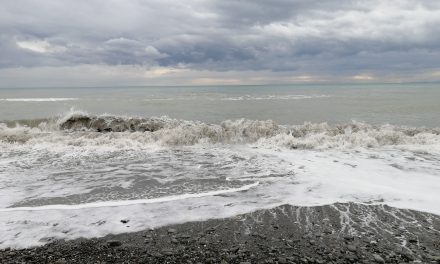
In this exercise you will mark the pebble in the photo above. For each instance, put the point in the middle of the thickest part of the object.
(282, 260)
(172, 231)
(351, 248)
(378, 258)
(114, 243)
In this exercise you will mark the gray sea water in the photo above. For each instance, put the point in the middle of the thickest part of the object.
(74, 162)
(401, 104)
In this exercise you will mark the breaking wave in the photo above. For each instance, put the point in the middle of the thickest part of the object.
(81, 129)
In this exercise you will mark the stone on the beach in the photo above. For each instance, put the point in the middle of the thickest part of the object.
(60, 261)
(282, 260)
(114, 243)
(351, 248)
(168, 252)
(378, 258)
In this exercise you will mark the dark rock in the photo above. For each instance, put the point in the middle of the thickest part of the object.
(114, 243)
(124, 221)
(348, 238)
(412, 240)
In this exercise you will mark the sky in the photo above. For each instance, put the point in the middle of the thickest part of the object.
(217, 42)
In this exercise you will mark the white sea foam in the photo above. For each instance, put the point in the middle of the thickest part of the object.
(80, 129)
(308, 164)
(37, 99)
(316, 178)
(240, 98)
(274, 97)
(128, 202)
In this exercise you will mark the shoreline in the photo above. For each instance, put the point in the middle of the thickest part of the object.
(338, 233)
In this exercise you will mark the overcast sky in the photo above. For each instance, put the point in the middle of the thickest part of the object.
(172, 42)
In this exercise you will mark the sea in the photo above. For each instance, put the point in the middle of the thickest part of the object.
(91, 161)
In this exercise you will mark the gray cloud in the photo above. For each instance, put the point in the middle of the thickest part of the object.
(332, 37)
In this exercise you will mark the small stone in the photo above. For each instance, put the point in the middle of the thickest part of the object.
(412, 240)
(124, 221)
(282, 260)
(114, 243)
(156, 255)
(60, 261)
(351, 248)
(175, 241)
(172, 231)
(378, 258)
(348, 238)
(210, 230)
(232, 256)
(168, 252)
(434, 258)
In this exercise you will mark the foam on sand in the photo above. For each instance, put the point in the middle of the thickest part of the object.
(194, 171)
(128, 202)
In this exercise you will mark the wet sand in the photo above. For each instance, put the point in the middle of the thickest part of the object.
(339, 233)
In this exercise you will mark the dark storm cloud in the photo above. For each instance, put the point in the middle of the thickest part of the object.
(318, 37)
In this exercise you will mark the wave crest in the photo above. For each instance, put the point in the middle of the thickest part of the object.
(80, 129)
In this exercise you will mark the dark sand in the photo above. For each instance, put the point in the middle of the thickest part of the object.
(340, 233)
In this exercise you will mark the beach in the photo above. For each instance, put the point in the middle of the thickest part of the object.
(338, 233)
(346, 186)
